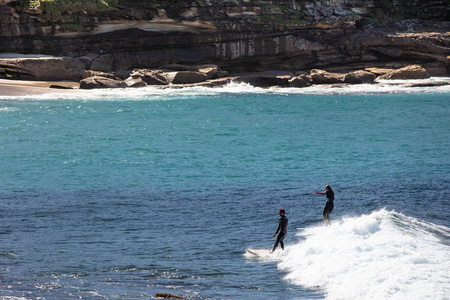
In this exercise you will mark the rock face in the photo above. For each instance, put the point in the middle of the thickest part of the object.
(234, 35)
(52, 69)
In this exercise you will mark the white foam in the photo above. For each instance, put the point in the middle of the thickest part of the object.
(384, 255)
(168, 93)
(7, 109)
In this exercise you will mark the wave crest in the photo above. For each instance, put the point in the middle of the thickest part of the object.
(384, 255)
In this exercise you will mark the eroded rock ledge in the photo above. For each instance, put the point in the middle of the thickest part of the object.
(212, 76)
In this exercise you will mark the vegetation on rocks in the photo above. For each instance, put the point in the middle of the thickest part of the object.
(55, 10)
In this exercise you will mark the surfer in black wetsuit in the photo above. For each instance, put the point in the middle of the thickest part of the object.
(282, 228)
(329, 193)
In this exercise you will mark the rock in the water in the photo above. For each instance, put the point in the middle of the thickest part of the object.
(167, 296)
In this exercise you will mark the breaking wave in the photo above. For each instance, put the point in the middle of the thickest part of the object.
(383, 255)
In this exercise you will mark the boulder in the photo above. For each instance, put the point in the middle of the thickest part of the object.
(409, 72)
(99, 82)
(150, 77)
(324, 77)
(135, 82)
(210, 72)
(359, 77)
(185, 77)
(300, 81)
(61, 87)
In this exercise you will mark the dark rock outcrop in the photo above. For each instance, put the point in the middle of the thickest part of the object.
(167, 296)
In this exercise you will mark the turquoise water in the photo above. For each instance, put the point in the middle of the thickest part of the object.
(123, 197)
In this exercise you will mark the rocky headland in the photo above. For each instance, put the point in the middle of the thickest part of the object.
(113, 43)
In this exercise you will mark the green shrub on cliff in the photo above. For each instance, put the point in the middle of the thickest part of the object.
(386, 11)
(54, 10)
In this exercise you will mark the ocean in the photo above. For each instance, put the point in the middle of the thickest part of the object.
(124, 194)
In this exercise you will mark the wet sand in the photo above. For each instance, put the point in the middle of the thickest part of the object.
(33, 88)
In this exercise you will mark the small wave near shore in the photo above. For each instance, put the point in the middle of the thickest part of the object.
(22, 91)
(383, 255)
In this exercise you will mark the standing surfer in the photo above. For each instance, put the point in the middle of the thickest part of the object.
(282, 228)
(329, 193)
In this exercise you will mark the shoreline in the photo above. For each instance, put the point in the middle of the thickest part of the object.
(18, 88)
(24, 88)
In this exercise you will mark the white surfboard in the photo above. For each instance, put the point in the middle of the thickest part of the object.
(258, 252)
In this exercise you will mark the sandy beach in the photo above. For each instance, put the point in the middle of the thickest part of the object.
(33, 88)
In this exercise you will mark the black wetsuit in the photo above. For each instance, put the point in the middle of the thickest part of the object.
(282, 228)
(330, 204)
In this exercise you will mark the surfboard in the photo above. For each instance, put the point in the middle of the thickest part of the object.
(258, 252)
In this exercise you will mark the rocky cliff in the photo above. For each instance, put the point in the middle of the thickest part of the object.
(235, 35)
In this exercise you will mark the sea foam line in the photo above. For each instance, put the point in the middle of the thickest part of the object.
(167, 93)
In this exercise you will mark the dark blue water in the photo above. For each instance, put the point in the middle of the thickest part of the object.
(123, 198)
